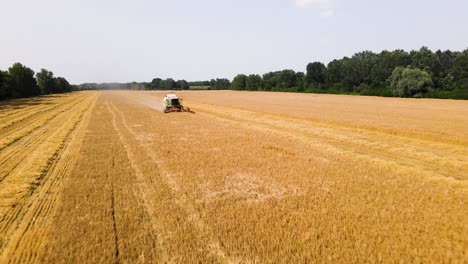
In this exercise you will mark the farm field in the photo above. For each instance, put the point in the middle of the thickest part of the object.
(106, 177)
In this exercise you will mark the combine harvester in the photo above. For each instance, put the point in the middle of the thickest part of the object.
(172, 103)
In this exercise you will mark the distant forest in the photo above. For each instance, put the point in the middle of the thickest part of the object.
(20, 81)
(418, 73)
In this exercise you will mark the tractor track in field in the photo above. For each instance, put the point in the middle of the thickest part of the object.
(385, 148)
(29, 234)
(327, 154)
(104, 177)
(114, 226)
(18, 116)
(12, 151)
(35, 119)
(101, 194)
(12, 156)
(38, 201)
(30, 116)
(186, 215)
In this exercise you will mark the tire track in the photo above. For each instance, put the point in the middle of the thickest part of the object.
(13, 154)
(349, 208)
(99, 217)
(31, 115)
(17, 156)
(27, 239)
(157, 186)
(114, 225)
(441, 161)
(33, 173)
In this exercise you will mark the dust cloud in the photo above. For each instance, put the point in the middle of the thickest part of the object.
(152, 102)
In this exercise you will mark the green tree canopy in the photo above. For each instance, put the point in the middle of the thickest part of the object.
(316, 73)
(335, 71)
(169, 84)
(6, 91)
(183, 85)
(23, 82)
(253, 82)
(408, 82)
(200, 83)
(220, 84)
(156, 84)
(357, 70)
(62, 85)
(459, 70)
(385, 63)
(287, 79)
(239, 82)
(45, 81)
(425, 60)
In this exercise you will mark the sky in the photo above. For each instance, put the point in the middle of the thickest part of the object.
(138, 40)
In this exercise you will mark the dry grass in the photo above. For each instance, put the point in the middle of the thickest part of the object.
(35, 136)
(246, 179)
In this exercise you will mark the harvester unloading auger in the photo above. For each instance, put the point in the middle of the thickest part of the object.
(172, 103)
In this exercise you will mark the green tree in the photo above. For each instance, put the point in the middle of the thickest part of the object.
(220, 84)
(156, 84)
(385, 63)
(287, 79)
(183, 85)
(5, 85)
(212, 84)
(459, 70)
(447, 82)
(300, 81)
(316, 73)
(281, 80)
(200, 83)
(62, 85)
(23, 82)
(335, 71)
(425, 60)
(169, 84)
(253, 82)
(45, 81)
(269, 81)
(446, 59)
(223, 83)
(239, 82)
(357, 70)
(407, 82)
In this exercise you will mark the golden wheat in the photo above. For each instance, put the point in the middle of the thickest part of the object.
(251, 177)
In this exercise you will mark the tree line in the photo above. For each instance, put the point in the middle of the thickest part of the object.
(159, 84)
(155, 84)
(418, 73)
(20, 81)
(171, 84)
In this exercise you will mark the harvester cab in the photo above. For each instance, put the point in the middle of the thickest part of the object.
(172, 103)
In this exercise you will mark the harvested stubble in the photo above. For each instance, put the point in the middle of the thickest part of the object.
(250, 177)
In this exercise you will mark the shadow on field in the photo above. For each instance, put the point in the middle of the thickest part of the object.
(25, 102)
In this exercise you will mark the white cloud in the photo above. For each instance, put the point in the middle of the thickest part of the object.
(326, 8)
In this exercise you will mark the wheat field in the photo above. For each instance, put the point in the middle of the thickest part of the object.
(106, 177)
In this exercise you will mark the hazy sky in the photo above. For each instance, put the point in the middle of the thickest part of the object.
(124, 40)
